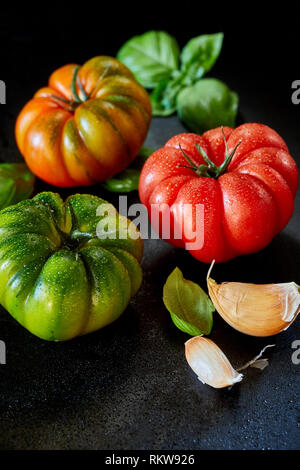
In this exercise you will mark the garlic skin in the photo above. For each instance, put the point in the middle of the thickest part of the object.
(210, 363)
(257, 310)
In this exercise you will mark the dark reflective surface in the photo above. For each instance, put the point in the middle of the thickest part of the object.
(129, 386)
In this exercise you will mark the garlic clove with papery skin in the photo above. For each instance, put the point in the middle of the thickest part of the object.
(256, 309)
(210, 363)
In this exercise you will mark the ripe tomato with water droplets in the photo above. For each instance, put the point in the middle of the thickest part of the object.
(244, 178)
(87, 125)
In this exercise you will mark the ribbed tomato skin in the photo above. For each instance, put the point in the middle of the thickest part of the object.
(58, 278)
(74, 147)
(244, 208)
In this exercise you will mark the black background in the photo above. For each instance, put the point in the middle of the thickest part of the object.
(260, 52)
(128, 386)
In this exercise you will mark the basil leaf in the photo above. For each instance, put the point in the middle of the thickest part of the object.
(128, 180)
(199, 55)
(151, 57)
(163, 98)
(190, 307)
(124, 182)
(207, 104)
(185, 326)
(16, 183)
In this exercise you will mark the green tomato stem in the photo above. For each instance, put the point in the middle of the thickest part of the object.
(71, 105)
(76, 81)
(210, 170)
(73, 85)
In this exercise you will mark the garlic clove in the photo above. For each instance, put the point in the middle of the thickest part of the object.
(210, 363)
(257, 310)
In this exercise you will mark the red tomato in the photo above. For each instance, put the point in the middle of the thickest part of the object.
(246, 191)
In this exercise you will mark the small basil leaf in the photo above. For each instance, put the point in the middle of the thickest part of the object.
(185, 326)
(128, 180)
(199, 55)
(190, 307)
(163, 98)
(152, 57)
(16, 183)
(207, 104)
(124, 182)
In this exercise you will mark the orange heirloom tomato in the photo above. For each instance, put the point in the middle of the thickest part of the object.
(86, 126)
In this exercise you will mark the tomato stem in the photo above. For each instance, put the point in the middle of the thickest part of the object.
(76, 101)
(210, 170)
(82, 90)
(74, 83)
(194, 167)
(61, 100)
(76, 238)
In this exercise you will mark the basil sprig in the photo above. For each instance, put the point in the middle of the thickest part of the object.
(156, 62)
(189, 306)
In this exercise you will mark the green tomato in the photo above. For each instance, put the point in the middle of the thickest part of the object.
(67, 269)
